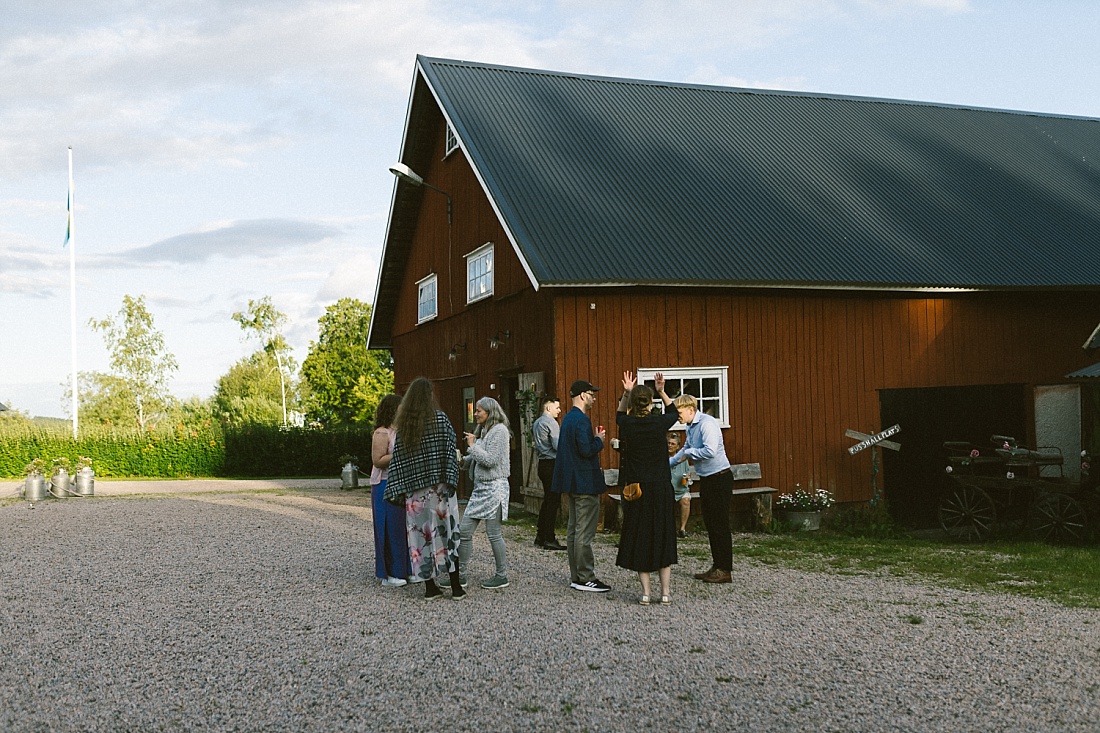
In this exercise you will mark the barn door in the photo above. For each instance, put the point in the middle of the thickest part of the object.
(530, 382)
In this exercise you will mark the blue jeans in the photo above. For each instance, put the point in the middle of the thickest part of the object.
(496, 541)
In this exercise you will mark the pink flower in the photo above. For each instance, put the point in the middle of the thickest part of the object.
(975, 453)
(1085, 465)
(1006, 446)
(415, 555)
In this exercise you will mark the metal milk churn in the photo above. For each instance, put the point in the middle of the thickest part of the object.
(34, 488)
(349, 477)
(60, 484)
(85, 482)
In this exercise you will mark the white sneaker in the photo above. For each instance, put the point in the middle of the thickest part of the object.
(393, 582)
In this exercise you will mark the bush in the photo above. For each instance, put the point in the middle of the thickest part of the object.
(205, 449)
(263, 450)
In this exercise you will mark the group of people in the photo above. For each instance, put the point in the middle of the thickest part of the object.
(416, 466)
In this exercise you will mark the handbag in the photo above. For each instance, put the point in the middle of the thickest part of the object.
(633, 491)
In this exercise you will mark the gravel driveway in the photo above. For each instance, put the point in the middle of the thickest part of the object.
(260, 612)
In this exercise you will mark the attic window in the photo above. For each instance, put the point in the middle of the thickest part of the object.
(426, 308)
(706, 384)
(479, 273)
(452, 142)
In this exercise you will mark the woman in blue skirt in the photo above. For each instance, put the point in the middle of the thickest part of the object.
(391, 545)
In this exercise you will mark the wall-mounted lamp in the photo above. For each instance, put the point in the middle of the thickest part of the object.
(498, 338)
(456, 350)
(406, 174)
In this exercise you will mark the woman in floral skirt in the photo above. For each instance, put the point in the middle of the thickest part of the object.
(424, 474)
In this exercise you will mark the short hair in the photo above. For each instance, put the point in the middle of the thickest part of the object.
(676, 435)
(686, 400)
(547, 400)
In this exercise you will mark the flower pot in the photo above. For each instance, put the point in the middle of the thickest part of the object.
(806, 521)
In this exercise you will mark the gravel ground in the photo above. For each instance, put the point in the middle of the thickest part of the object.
(260, 612)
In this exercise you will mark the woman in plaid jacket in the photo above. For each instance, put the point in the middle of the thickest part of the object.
(424, 474)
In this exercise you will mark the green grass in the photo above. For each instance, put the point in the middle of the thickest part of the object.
(1066, 575)
(868, 543)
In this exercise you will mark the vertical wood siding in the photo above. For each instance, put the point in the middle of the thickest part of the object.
(803, 367)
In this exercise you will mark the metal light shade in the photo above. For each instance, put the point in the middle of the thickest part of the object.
(406, 174)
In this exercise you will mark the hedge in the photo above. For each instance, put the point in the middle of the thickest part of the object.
(184, 451)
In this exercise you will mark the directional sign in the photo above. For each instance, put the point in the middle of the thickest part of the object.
(866, 441)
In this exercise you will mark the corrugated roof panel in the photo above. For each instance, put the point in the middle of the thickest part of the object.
(744, 186)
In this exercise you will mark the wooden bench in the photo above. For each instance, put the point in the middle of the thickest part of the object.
(760, 515)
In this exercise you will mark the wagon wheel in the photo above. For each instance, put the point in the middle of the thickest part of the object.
(1056, 518)
(967, 513)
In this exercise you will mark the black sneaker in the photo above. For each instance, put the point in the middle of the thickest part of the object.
(592, 586)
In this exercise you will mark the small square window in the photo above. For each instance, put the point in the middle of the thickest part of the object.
(426, 299)
(705, 384)
(479, 273)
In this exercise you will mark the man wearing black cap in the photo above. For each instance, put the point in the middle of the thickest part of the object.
(577, 474)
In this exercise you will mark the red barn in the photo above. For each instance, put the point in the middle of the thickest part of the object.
(803, 263)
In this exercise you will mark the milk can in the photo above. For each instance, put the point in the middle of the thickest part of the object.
(60, 484)
(85, 482)
(34, 488)
(349, 477)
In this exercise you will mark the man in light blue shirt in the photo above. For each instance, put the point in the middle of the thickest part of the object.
(706, 451)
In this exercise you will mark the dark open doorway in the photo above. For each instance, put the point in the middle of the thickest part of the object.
(930, 416)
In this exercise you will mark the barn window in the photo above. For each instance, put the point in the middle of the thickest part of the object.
(425, 299)
(479, 273)
(708, 385)
(452, 142)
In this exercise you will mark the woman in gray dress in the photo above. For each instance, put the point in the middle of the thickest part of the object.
(488, 447)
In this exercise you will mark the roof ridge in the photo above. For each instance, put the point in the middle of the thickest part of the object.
(750, 90)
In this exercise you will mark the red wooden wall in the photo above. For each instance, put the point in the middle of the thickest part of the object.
(804, 366)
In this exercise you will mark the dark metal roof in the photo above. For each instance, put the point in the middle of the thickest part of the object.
(614, 181)
(1088, 372)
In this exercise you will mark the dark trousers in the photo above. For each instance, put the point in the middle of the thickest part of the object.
(548, 513)
(715, 495)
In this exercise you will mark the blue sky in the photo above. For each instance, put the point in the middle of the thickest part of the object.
(228, 149)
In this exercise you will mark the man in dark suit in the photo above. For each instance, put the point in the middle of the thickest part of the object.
(577, 474)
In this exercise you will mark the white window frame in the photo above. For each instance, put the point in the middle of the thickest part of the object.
(479, 277)
(721, 400)
(451, 143)
(421, 286)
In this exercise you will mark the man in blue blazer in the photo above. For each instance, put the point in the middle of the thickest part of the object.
(577, 473)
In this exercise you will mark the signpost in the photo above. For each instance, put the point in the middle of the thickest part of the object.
(872, 441)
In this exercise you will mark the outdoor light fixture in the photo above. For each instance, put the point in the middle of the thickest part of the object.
(411, 177)
(498, 338)
(454, 352)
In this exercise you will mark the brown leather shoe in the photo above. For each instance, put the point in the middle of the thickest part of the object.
(718, 576)
(705, 573)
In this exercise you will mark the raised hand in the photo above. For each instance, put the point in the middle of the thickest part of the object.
(629, 381)
(659, 382)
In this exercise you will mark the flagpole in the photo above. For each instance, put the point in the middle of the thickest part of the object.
(71, 240)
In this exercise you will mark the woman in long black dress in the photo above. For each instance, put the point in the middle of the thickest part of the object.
(648, 541)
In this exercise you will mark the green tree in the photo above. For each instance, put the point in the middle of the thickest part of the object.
(251, 392)
(262, 321)
(136, 391)
(345, 381)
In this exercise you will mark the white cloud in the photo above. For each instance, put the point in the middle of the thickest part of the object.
(261, 238)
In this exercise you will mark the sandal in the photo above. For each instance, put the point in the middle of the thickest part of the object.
(644, 601)
(665, 600)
